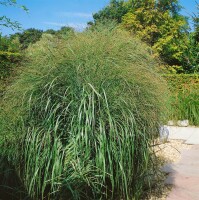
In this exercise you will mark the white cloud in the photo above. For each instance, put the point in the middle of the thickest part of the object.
(55, 24)
(75, 14)
(77, 26)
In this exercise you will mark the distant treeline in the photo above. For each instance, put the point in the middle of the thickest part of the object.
(12, 47)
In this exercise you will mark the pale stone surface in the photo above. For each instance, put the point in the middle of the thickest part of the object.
(184, 176)
(189, 134)
(180, 194)
(194, 139)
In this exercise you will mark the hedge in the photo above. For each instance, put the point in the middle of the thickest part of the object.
(179, 82)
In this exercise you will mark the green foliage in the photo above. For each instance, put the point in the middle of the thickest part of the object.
(8, 23)
(32, 35)
(185, 97)
(79, 121)
(50, 31)
(10, 45)
(181, 81)
(65, 32)
(196, 24)
(29, 36)
(8, 62)
(160, 24)
(191, 55)
(10, 56)
(172, 6)
(156, 25)
(115, 11)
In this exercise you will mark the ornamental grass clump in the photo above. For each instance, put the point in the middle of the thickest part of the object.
(184, 100)
(80, 120)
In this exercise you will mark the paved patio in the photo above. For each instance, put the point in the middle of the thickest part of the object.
(184, 175)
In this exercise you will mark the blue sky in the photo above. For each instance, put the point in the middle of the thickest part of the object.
(51, 14)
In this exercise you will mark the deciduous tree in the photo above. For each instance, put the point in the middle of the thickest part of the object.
(160, 25)
(115, 11)
(29, 36)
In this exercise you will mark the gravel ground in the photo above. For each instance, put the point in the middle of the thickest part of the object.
(168, 152)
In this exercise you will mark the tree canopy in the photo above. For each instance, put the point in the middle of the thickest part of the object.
(115, 11)
(160, 28)
(196, 24)
(158, 23)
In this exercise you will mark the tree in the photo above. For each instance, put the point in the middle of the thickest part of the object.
(191, 56)
(9, 44)
(143, 21)
(160, 25)
(196, 24)
(10, 57)
(172, 6)
(115, 11)
(65, 30)
(156, 22)
(29, 36)
(50, 31)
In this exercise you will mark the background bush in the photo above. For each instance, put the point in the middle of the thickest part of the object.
(80, 120)
(8, 61)
(10, 58)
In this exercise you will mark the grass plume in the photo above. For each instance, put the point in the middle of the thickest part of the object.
(79, 121)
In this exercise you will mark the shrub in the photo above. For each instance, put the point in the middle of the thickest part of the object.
(8, 61)
(10, 58)
(79, 121)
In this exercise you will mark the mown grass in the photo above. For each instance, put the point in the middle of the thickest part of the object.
(80, 120)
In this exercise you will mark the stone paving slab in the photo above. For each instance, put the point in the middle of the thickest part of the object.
(180, 133)
(194, 139)
(184, 170)
(189, 134)
(184, 176)
(190, 156)
(180, 194)
(182, 181)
